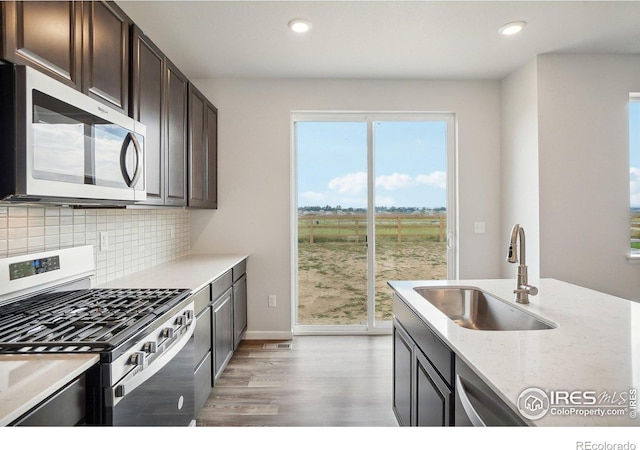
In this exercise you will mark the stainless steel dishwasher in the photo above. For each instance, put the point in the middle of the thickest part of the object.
(476, 404)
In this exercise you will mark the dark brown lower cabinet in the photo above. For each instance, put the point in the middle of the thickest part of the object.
(423, 372)
(202, 348)
(402, 375)
(65, 408)
(434, 399)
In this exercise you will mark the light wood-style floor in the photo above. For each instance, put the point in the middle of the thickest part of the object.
(321, 381)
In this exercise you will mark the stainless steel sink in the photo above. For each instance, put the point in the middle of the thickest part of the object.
(475, 309)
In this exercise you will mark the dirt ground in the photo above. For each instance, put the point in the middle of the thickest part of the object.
(332, 278)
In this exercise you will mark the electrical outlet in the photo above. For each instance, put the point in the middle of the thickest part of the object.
(272, 301)
(479, 227)
(103, 241)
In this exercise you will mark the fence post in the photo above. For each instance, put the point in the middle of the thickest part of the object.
(311, 220)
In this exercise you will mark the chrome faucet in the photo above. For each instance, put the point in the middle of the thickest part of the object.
(523, 289)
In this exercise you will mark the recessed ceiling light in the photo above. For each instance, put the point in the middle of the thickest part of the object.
(512, 28)
(299, 25)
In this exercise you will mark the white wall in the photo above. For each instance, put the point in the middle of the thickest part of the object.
(254, 173)
(584, 170)
(520, 200)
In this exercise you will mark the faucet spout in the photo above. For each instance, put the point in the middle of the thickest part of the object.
(523, 289)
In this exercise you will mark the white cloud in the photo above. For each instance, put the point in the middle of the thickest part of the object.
(402, 180)
(634, 178)
(352, 183)
(395, 181)
(382, 200)
(436, 179)
(312, 195)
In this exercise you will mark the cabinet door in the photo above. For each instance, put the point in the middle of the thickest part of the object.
(177, 89)
(106, 53)
(222, 332)
(211, 187)
(148, 108)
(203, 151)
(402, 375)
(239, 309)
(433, 398)
(45, 35)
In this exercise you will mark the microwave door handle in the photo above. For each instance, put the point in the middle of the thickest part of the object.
(130, 139)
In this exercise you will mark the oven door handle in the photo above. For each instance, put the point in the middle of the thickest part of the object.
(122, 389)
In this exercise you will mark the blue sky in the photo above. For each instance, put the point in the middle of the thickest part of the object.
(410, 164)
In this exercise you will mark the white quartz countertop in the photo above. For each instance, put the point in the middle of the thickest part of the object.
(594, 351)
(193, 272)
(26, 380)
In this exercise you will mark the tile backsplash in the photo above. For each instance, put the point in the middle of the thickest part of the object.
(136, 238)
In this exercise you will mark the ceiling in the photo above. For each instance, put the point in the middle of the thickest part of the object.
(379, 39)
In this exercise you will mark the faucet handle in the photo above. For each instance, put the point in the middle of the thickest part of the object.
(523, 292)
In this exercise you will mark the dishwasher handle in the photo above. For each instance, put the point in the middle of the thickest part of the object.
(470, 411)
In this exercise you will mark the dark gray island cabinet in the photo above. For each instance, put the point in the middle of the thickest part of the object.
(432, 386)
(423, 372)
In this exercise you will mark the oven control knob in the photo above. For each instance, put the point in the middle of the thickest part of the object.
(181, 320)
(188, 314)
(168, 333)
(150, 347)
(137, 359)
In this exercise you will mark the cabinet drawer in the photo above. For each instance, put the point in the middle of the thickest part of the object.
(221, 284)
(202, 299)
(239, 270)
(202, 339)
(431, 345)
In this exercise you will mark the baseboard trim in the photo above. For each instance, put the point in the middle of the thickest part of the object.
(268, 335)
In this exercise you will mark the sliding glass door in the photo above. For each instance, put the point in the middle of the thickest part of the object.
(374, 202)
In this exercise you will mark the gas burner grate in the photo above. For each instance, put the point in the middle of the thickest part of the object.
(81, 320)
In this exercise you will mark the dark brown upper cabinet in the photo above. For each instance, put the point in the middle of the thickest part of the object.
(46, 35)
(159, 100)
(83, 44)
(203, 151)
(105, 53)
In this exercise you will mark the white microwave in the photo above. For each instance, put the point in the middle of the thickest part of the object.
(58, 145)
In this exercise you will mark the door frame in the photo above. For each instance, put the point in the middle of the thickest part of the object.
(369, 117)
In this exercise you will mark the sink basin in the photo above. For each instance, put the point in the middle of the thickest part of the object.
(475, 309)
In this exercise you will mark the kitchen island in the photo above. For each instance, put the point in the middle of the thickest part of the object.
(27, 381)
(587, 363)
